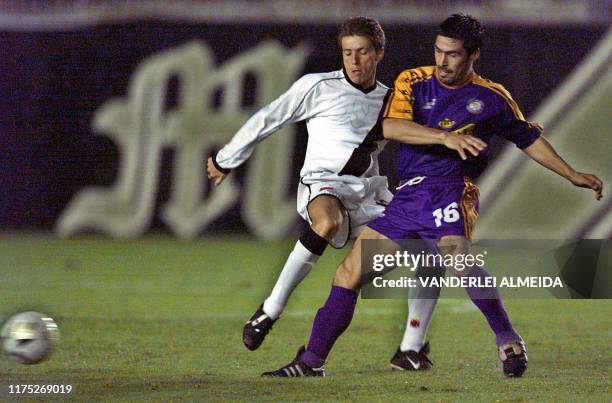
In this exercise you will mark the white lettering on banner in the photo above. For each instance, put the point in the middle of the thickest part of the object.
(141, 127)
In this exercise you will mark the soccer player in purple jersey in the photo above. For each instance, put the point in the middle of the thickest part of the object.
(443, 116)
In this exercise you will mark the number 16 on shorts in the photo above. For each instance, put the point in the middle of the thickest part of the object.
(449, 214)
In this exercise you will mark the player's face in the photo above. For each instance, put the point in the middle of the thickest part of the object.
(453, 65)
(360, 59)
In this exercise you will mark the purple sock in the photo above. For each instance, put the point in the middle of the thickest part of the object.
(490, 304)
(331, 321)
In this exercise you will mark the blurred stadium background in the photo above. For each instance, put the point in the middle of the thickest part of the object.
(110, 107)
(108, 110)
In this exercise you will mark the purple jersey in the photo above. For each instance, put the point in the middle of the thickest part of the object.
(480, 107)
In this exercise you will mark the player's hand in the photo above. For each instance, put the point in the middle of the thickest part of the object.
(464, 144)
(588, 181)
(214, 174)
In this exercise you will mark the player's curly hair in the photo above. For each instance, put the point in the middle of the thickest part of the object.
(464, 27)
(363, 26)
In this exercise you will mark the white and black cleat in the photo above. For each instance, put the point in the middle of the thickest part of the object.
(411, 360)
(514, 358)
(295, 368)
(256, 329)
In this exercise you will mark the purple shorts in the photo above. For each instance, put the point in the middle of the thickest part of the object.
(430, 208)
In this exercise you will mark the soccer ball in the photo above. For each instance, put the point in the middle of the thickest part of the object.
(29, 337)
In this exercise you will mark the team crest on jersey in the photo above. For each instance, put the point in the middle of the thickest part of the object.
(446, 123)
(475, 106)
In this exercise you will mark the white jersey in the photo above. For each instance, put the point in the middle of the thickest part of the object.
(343, 122)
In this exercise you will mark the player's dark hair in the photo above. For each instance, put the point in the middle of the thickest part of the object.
(362, 26)
(464, 27)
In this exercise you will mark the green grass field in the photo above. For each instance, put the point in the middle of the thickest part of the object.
(160, 319)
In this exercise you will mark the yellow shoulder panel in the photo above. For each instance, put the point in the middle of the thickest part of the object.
(401, 102)
(500, 90)
(419, 74)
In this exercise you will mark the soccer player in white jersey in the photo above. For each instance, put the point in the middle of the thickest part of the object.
(340, 187)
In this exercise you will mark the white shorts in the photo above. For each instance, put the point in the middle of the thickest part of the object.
(363, 199)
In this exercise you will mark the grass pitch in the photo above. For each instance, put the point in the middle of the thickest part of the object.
(160, 319)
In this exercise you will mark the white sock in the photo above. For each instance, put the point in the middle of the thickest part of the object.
(420, 312)
(297, 266)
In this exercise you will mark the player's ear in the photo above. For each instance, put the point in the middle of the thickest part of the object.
(474, 56)
(380, 54)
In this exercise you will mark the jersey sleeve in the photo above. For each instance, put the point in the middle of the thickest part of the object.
(292, 106)
(401, 102)
(513, 126)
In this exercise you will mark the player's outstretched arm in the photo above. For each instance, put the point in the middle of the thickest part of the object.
(296, 104)
(409, 132)
(543, 153)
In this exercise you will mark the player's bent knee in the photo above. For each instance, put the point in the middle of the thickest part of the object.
(327, 226)
(455, 246)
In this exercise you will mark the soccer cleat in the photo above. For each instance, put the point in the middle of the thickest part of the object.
(296, 368)
(411, 360)
(514, 358)
(256, 329)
